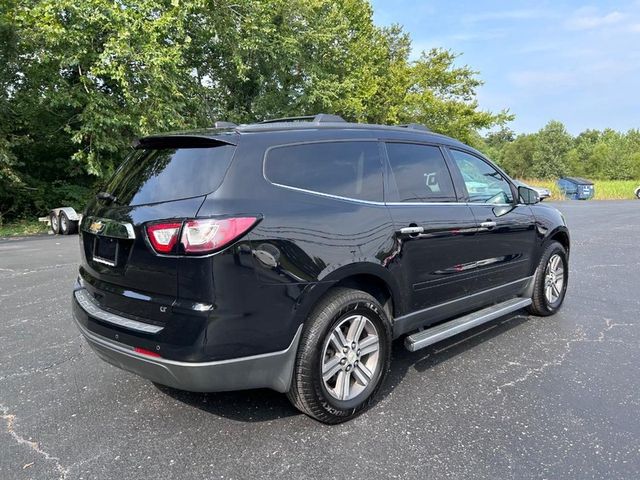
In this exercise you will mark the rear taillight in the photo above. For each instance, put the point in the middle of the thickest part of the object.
(208, 235)
(163, 236)
(198, 236)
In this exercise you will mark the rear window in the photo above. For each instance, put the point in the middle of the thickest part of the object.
(160, 175)
(346, 169)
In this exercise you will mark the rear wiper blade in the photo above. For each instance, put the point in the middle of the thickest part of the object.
(106, 196)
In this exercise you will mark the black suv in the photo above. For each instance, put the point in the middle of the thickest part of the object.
(289, 254)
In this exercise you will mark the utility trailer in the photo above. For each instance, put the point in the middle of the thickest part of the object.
(64, 220)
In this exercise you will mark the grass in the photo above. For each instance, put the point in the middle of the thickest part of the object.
(22, 228)
(605, 189)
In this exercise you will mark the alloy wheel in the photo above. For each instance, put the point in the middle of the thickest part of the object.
(554, 279)
(350, 357)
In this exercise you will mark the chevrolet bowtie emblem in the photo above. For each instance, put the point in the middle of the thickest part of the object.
(96, 227)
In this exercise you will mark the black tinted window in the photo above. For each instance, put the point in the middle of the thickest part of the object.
(419, 173)
(346, 169)
(484, 183)
(150, 176)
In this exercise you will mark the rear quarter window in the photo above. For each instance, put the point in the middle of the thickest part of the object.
(344, 169)
(160, 175)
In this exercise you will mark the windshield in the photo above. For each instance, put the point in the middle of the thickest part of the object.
(160, 175)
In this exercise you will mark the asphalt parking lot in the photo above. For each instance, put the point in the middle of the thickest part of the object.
(521, 397)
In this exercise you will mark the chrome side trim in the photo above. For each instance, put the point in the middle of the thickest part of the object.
(91, 308)
(411, 230)
(453, 327)
(382, 204)
(326, 195)
(366, 202)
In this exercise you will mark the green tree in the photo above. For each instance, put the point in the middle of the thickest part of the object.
(10, 179)
(83, 79)
(552, 145)
(518, 156)
(109, 71)
(442, 96)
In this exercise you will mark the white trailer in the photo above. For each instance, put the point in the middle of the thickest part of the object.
(64, 220)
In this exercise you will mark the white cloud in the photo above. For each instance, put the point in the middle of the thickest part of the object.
(470, 36)
(597, 72)
(588, 19)
(542, 79)
(506, 15)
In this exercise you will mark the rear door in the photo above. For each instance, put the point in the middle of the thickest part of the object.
(434, 232)
(506, 235)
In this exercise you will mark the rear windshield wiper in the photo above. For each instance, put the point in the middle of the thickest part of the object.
(106, 196)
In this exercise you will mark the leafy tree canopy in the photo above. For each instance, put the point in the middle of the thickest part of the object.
(82, 79)
(552, 152)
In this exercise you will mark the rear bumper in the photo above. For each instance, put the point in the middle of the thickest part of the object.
(270, 370)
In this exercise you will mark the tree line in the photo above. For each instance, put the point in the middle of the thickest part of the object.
(81, 80)
(552, 152)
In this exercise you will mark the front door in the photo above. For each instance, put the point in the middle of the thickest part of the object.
(506, 234)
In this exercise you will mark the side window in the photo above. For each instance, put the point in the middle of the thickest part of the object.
(419, 173)
(484, 183)
(345, 169)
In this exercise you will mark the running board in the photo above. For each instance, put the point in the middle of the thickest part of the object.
(453, 327)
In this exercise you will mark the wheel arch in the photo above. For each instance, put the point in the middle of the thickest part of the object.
(368, 277)
(561, 235)
(70, 212)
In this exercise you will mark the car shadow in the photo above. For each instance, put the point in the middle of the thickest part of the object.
(429, 357)
(265, 405)
(260, 405)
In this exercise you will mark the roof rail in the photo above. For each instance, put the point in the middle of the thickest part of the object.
(220, 124)
(319, 118)
(415, 126)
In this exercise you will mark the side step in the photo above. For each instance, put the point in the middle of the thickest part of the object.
(453, 327)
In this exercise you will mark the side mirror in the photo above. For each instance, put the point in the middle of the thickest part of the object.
(528, 195)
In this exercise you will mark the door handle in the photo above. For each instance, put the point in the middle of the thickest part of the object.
(411, 230)
(488, 224)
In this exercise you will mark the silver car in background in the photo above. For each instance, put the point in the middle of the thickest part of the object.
(542, 192)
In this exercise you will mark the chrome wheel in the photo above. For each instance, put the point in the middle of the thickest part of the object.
(350, 357)
(54, 223)
(553, 279)
(63, 224)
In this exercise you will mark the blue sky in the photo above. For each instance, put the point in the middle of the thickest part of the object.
(565, 60)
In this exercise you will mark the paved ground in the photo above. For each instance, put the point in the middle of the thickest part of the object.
(520, 398)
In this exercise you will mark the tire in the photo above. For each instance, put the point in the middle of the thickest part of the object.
(67, 226)
(324, 397)
(55, 223)
(550, 282)
(638, 193)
